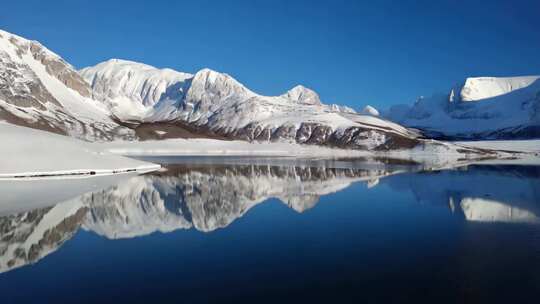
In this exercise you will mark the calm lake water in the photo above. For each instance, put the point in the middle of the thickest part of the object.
(268, 230)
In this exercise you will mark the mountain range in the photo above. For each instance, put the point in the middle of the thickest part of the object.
(120, 99)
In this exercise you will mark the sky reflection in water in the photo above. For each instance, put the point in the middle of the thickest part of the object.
(262, 229)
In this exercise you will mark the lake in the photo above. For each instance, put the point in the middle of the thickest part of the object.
(275, 230)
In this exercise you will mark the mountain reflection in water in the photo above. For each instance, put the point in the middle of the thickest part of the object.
(209, 196)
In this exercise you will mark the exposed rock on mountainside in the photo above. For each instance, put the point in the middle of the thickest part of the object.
(40, 90)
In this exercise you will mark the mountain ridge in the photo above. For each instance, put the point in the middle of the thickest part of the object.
(219, 104)
(478, 108)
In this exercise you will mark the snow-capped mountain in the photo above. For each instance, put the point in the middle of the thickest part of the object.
(39, 89)
(129, 100)
(370, 110)
(215, 103)
(123, 99)
(479, 108)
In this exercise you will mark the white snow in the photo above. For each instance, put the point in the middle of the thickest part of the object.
(369, 110)
(302, 95)
(433, 154)
(485, 210)
(27, 152)
(140, 92)
(212, 147)
(479, 88)
(83, 108)
(29, 78)
(131, 88)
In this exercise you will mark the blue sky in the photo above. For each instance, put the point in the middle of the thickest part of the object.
(350, 52)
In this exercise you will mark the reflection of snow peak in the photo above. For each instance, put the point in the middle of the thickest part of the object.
(27, 237)
(480, 193)
(205, 198)
(209, 198)
(483, 210)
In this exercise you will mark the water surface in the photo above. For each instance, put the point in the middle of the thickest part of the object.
(276, 230)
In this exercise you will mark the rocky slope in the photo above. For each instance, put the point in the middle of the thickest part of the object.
(479, 108)
(39, 89)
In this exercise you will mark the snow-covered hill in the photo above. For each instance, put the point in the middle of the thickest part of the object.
(25, 152)
(39, 89)
(216, 103)
(480, 108)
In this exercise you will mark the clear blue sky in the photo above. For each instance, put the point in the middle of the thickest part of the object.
(351, 52)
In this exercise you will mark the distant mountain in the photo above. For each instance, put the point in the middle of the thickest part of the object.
(214, 103)
(479, 108)
(39, 89)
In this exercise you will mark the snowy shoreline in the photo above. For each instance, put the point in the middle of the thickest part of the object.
(445, 153)
(29, 153)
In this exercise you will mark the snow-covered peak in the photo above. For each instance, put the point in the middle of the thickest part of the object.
(9, 40)
(140, 83)
(39, 89)
(18, 50)
(369, 110)
(478, 88)
(478, 108)
(301, 94)
(217, 83)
